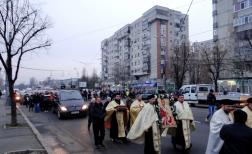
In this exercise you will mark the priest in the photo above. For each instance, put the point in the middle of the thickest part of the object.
(146, 128)
(219, 119)
(185, 124)
(248, 110)
(117, 115)
(135, 108)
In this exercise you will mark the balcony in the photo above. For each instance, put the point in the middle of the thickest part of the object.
(162, 62)
(144, 52)
(215, 25)
(145, 68)
(145, 59)
(215, 13)
(243, 21)
(242, 5)
(244, 35)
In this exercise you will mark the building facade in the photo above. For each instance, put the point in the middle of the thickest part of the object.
(232, 26)
(141, 50)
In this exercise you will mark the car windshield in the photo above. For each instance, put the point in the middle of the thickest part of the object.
(70, 95)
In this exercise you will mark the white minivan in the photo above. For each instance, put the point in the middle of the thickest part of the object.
(197, 93)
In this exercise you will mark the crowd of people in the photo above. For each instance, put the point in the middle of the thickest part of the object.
(140, 122)
(39, 101)
(88, 94)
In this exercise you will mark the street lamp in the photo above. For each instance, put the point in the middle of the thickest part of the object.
(77, 72)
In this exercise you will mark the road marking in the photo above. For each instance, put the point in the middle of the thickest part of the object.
(197, 122)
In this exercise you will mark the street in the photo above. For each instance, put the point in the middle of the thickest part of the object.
(72, 136)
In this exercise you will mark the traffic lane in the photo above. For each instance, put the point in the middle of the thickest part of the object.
(64, 136)
(72, 136)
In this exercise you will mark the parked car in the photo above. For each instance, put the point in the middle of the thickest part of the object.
(69, 103)
(197, 94)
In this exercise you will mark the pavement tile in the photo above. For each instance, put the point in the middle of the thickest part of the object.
(17, 138)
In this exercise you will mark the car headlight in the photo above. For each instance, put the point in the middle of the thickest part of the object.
(18, 98)
(84, 107)
(63, 108)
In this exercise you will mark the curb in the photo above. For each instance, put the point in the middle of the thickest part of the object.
(36, 132)
(37, 151)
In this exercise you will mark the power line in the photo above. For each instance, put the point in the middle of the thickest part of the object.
(187, 11)
(86, 33)
(196, 2)
(203, 32)
(112, 26)
(40, 69)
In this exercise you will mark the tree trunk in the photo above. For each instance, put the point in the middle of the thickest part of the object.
(11, 92)
(216, 86)
(13, 104)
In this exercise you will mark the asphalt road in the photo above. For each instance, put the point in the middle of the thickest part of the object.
(72, 136)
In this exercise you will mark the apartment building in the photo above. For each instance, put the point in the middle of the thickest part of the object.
(232, 26)
(141, 50)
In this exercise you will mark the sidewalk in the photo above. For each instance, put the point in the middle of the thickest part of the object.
(19, 138)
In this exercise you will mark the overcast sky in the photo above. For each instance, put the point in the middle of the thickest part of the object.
(79, 26)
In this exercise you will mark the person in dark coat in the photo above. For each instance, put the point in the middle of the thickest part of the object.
(91, 104)
(107, 102)
(211, 101)
(237, 137)
(30, 103)
(98, 114)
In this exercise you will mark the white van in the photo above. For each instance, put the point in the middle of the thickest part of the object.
(197, 93)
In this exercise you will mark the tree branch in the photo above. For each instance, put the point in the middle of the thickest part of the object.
(3, 62)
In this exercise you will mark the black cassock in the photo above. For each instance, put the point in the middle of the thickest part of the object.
(148, 145)
(179, 139)
(114, 127)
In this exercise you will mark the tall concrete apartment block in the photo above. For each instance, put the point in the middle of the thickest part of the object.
(141, 50)
(231, 19)
(232, 23)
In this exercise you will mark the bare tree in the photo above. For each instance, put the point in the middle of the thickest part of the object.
(93, 79)
(196, 68)
(22, 31)
(197, 72)
(214, 59)
(120, 73)
(179, 63)
(242, 64)
(33, 82)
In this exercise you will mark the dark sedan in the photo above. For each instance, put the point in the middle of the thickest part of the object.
(70, 103)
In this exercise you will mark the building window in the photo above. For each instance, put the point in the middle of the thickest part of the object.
(215, 25)
(215, 13)
(246, 19)
(215, 32)
(214, 7)
(242, 20)
(242, 5)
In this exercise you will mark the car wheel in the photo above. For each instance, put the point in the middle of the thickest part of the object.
(84, 115)
(192, 105)
(59, 115)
